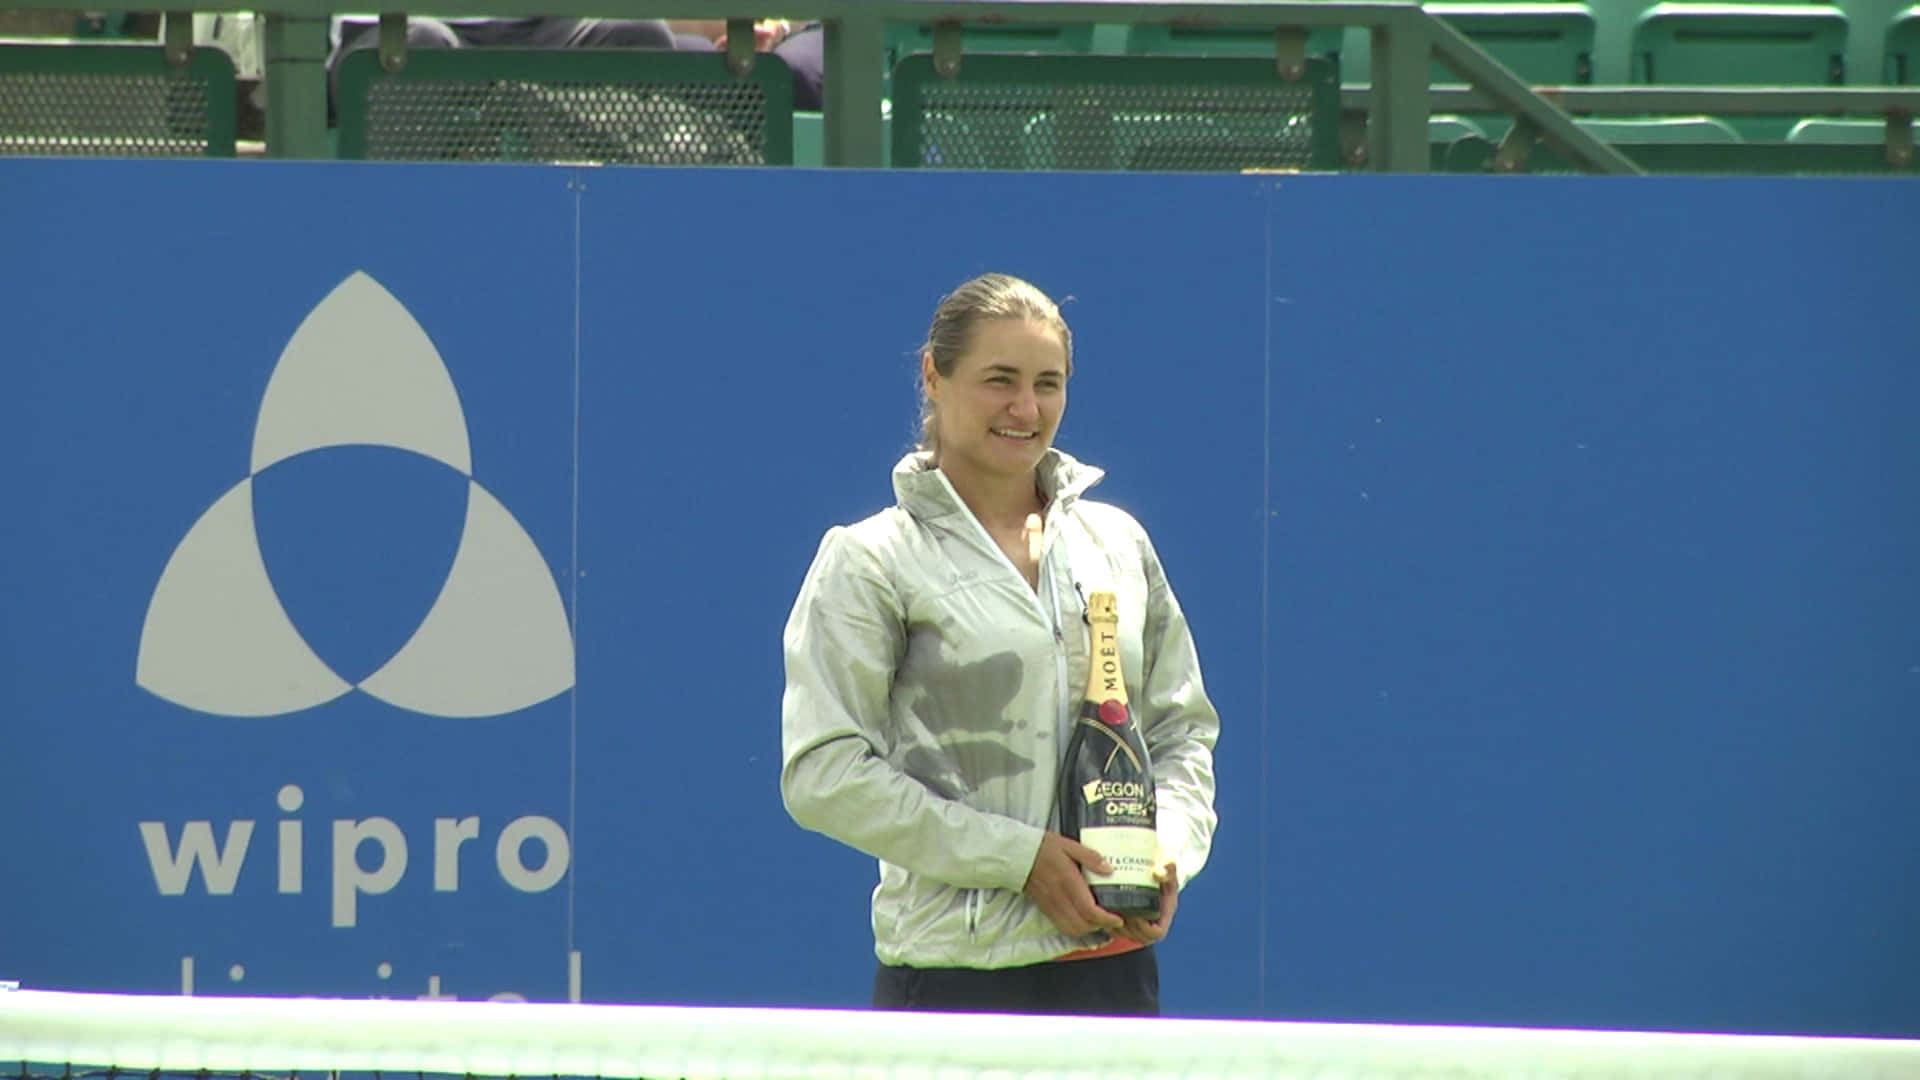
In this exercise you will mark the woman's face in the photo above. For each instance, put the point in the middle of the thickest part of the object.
(998, 411)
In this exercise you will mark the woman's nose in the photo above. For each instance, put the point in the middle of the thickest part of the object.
(1026, 406)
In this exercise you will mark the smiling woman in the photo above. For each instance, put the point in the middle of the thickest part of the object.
(989, 415)
(931, 682)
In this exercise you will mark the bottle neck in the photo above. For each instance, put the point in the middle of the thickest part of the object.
(1105, 679)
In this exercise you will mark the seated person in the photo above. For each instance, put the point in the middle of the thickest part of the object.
(802, 50)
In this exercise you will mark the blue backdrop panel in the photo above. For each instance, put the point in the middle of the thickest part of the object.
(145, 311)
(1595, 655)
(1554, 580)
(746, 385)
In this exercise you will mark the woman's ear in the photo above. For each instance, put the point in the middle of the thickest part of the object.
(929, 375)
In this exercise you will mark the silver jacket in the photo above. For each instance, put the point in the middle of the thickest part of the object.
(930, 692)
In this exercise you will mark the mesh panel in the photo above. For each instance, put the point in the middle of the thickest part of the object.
(624, 123)
(1183, 127)
(106, 114)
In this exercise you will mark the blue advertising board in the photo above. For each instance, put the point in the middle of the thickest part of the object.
(394, 562)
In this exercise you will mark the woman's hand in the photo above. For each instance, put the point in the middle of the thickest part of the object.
(1059, 886)
(1145, 931)
(767, 33)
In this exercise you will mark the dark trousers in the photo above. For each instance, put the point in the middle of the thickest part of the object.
(1123, 985)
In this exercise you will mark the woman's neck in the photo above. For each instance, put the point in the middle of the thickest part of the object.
(999, 502)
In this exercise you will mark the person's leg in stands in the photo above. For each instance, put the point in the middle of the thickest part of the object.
(804, 50)
(603, 34)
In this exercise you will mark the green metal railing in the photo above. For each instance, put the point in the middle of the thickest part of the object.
(1164, 113)
(1394, 111)
(133, 101)
(612, 106)
(1404, 38)
(1893, 108)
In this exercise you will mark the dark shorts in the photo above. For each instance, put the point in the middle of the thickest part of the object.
(1123, 985)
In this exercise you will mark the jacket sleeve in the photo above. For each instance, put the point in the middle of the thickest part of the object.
(843, 639)
(1179, 725)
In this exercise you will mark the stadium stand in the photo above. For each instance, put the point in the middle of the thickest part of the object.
(1673, 85)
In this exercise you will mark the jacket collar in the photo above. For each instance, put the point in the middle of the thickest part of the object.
(924, 492)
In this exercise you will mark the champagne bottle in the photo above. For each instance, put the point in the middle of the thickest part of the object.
(1106, 782)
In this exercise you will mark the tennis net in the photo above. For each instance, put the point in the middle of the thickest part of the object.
(69, 1034)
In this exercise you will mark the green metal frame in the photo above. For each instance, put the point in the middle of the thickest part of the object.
(916, 72)
(211, 65)
(361, 69)
(908, 36)
(295, 50)
(1532, 114)
(904, 37)
(1507, 31)
(1474, 155)
(1404, 39)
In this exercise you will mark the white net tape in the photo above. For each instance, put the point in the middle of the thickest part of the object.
(280, 1035)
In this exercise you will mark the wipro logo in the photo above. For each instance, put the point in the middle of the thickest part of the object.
(359, 402)
(359, 372)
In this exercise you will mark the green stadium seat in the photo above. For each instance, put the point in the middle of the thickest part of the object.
(1632, 136)
(1711, 44)
(810, 139)
(1693, 130)
(1444, 129)
(1472, 154)
(1707, 44)
(1546, 44)
(614, 106)
(116, 100)
(1828, 131)
(1185, 39)
(99, 24)
(1901, 48)
(1614, 21)
(1867, 23)
(1764, 159)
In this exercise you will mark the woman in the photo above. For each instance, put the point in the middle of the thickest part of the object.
(934, 657)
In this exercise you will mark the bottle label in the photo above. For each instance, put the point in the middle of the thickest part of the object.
(1129, 849)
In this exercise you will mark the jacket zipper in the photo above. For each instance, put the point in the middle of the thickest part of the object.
(1063, 716)
(1046, 549)
(1059, 661)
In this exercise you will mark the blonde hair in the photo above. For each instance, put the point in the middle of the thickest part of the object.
(958, 318)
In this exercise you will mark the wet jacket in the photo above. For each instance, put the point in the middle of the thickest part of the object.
(929, 696)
